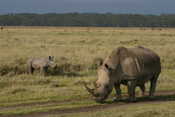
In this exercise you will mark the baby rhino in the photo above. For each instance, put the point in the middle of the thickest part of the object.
(41, 64)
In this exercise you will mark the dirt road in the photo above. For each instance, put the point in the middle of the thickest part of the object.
(161, 96)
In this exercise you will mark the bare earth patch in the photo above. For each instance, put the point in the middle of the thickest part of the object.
(160, 97)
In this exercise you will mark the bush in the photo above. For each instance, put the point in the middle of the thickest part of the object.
(18, 66)
(66, 68)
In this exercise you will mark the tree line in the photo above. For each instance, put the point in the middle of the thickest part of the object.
(88, 19)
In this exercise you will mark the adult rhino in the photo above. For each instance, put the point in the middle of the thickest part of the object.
(41, 64)
(134, 66)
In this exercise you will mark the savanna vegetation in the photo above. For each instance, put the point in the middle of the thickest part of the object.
(88, 19)
(76, 51)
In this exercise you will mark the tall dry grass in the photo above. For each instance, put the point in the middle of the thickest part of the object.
(76, 52)
(77, 48)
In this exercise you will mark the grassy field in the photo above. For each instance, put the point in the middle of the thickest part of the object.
(75, 49)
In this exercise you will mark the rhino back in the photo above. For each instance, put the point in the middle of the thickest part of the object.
(140, 62)
(39, 62)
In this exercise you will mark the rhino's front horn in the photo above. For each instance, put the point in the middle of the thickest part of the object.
(91, 91)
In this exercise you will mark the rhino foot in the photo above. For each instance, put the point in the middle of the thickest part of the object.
(132, 100)
(116, 99)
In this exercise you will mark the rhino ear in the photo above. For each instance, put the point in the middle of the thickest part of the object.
(123, 52)
(50, 57)
(107, 67)
(100, 63)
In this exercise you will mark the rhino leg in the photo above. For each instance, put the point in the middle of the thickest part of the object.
(118, 92)
(142, 87)
(153, 85)
(43, 70)
(131, 90)
(30, 70)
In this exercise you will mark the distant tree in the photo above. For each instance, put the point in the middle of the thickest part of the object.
(88, 19)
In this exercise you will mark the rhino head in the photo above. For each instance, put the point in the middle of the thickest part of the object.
(51, 62)
(103, 86)
(108, 73)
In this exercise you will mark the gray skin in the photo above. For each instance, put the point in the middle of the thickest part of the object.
(99, 62)
(118, 97)
(41, 64)
(133, 66)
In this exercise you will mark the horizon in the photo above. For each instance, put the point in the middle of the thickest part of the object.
(155, 7)
(85, 13)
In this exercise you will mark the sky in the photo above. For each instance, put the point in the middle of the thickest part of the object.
(88, 6)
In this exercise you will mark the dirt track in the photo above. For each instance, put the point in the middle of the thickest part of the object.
(161, 96)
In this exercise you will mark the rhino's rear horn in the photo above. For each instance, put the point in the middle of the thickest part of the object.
(95, 85)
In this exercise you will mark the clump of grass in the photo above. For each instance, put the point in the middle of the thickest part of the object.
(5, 69)
(65, 66)
(18, 66)
(55, 85)
(4, 84)
(43, 81)
(18, 90)
(148, 114)
(68, 67)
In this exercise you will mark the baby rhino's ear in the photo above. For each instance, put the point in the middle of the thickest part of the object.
(108, 68)
(51, 58)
